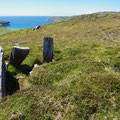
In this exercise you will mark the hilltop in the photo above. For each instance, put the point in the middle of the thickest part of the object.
(59, 18)
(85, 16)
(82, 82)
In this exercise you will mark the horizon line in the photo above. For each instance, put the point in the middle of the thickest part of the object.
(53, 15)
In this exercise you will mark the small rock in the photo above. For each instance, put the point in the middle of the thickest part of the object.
(36, 65)
(16, 44)
(19, 77)
(36, 28)
(30, 72)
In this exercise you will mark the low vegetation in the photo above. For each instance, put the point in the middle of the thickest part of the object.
(85, 16)
(59, 18)
(82, 82)
(3, 30)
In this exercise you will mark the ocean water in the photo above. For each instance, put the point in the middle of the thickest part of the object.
(25, 22)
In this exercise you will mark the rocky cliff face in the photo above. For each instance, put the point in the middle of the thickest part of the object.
(4, 24)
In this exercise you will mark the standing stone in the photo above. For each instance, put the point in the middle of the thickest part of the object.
(18, 54)
(48, 49)
(2, 74)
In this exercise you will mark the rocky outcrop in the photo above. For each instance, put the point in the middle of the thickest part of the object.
(4, 24)
(2, 74)
(18, 55)
(48, 49)
(36, 28)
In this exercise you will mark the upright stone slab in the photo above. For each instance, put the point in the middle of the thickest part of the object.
(18, 55)
(48, 49)
(2, 74)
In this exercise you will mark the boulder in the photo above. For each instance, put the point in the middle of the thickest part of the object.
(36, 28)
(2, 74)
(18, 55)
(48, 49)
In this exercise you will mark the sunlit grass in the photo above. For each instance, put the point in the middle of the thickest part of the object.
(82, 82)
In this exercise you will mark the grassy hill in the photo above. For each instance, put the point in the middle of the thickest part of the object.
(3, 30)
(85, 16)
(59, 18)
(82, 82)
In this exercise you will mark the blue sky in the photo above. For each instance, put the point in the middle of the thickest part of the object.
(55, 7)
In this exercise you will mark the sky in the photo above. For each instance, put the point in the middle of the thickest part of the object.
(56, 7)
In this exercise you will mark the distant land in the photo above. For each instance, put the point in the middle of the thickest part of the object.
(60, 18)
(4, 24)
(25, 22)
(85, 16)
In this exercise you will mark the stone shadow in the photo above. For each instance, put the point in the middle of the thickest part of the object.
(25, 69)
(12, 84)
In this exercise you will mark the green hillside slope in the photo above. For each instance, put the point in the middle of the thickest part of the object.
(59, 18)
(4, 24)
(85, 16)
(82, 82)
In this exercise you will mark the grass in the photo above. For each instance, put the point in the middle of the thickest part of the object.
(4, 30)
(86, 16)
(82, 82)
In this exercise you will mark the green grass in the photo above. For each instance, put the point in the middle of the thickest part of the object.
(82, 82)
(4, 30)
(85, 16)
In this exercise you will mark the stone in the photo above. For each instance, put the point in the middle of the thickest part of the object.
(31, 72)
(2, 74)
(48, 49)
(19, 77)
(36, 28)
(18, 55)
(36, 65)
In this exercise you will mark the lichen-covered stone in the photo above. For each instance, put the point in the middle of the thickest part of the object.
(48, 49)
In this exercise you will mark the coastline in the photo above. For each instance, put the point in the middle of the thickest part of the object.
(25, 22)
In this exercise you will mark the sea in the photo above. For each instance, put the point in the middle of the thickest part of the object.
(25, 22)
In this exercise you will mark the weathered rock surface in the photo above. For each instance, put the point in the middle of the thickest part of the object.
(18, 55)
(48, 49)
(37, 27)
(2, 74)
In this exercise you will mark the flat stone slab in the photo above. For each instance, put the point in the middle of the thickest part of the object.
(2, 74)
(18, 55)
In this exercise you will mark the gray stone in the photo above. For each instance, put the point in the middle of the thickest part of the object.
(31, 72)
(37, 27)
(48, 49)
(18, 55)
(36, 65)
(2, 74)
